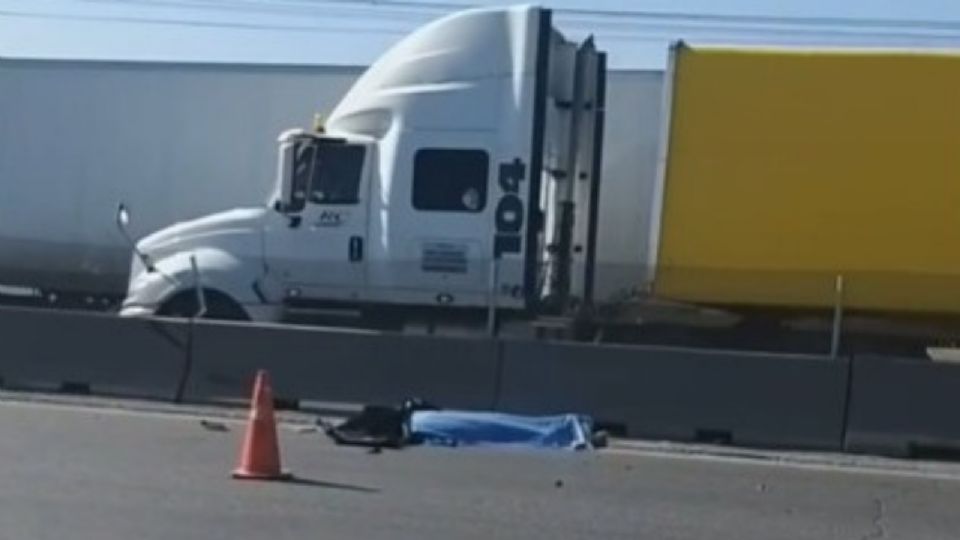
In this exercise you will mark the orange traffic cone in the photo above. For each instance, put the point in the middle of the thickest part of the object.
(260, 455)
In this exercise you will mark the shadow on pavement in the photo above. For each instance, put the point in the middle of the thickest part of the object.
(330, 485)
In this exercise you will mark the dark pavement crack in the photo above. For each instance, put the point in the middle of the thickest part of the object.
(878, 530)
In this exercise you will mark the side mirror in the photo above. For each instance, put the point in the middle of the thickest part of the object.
(123, 220)
(123, 216)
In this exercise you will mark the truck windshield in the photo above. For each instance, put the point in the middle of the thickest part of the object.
(336, 174)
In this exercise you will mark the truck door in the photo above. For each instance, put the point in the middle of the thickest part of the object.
(435, 248)
(322, 253)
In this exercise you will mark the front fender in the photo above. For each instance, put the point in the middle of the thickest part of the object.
(237, 278)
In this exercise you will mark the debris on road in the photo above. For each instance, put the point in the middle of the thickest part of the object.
(211, 425)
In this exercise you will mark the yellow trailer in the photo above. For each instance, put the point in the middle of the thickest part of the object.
(782, 169)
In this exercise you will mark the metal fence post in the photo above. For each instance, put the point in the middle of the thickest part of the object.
(492, 301)
(191, 322)
(837, 317)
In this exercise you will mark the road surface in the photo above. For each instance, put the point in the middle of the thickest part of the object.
(78, 472)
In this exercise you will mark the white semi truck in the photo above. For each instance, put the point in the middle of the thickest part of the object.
(461, 170)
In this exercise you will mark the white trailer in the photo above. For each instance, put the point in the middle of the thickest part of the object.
(172, 140)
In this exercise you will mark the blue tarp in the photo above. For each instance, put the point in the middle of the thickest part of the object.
(465, 428)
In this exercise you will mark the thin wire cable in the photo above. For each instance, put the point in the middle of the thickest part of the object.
(624, 31)
(195, 23)
(707, 17)
(376, 7)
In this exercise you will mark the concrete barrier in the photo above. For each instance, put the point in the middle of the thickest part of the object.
(341, 366)
(89, 352)
(670, 393)
(901, 407)
(682, 394)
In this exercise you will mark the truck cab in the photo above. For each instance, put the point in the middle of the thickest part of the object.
(460, 171)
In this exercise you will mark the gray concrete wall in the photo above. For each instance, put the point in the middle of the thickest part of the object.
(341, 366)
(49, 350)
(682, 394)
(900, 406)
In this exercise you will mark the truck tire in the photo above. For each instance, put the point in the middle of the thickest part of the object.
(219, 306)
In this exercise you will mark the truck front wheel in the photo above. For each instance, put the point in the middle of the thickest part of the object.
(219, 306)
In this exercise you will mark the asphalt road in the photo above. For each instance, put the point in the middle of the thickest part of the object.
(74, 472)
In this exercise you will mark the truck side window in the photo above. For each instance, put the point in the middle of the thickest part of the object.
(452, 180)
(336, 175)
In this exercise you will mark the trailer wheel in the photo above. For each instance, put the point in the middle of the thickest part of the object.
(219, 306)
